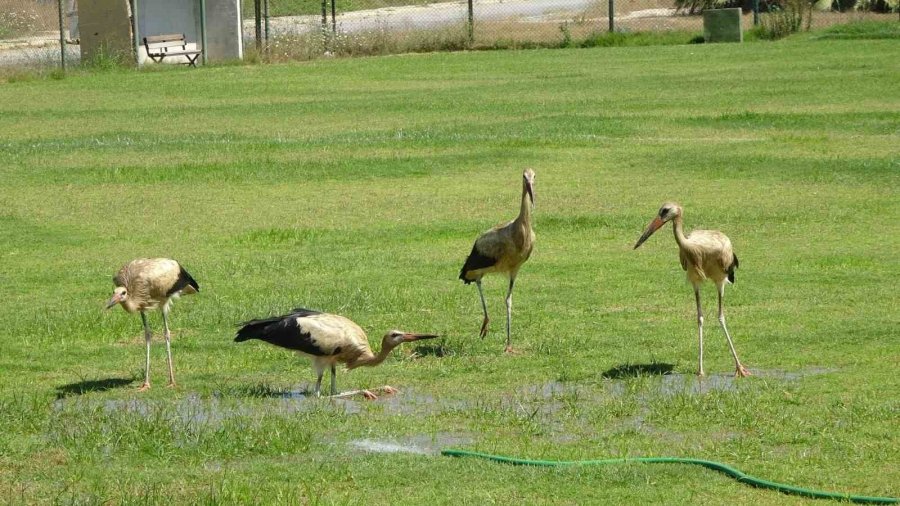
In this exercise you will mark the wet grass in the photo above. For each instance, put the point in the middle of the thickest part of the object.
(357, 186)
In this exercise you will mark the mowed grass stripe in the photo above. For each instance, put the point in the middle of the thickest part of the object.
(358, 186)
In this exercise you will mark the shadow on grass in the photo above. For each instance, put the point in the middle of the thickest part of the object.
(83, 387)
(638, 370)
(433, 350)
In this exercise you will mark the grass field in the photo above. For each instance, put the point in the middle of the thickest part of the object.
(357, 187)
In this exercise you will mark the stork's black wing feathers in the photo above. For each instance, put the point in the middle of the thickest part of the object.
(302, 311)
(734, 265)
(283, 331)
(475, 261)
(184, 280)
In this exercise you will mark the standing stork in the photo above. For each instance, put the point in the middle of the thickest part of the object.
(150, 283)
(704, 254)
(327, 339)
(503, 249)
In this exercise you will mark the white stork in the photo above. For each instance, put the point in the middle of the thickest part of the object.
(328, 339)
(151, 283)
(503, 249)
(704, 254)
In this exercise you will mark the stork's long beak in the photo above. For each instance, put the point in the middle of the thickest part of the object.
(113, 301)
(652, 227)
(410, 337)
(529, 187)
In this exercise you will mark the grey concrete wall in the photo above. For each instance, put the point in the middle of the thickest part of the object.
(722, 25)
(223, 30)
(105, 28)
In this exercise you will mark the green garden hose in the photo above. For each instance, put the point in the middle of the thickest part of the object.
(709, 464)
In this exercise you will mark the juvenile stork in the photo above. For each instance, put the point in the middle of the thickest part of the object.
(704, 254)
(503, 249)
(328, 339)
(151, 283)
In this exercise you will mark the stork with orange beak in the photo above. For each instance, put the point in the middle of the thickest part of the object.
(704, 254)
(328, 339)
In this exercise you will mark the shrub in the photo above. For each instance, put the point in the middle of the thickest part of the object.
(785, 19)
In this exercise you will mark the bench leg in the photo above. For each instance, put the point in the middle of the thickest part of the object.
(192, 61)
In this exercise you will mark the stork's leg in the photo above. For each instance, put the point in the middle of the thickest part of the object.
(700, 371)
(165, 314)
(320, 371)
(512, 281)
(333, 380)
(740, 370)
(147, 336)
(484, 324)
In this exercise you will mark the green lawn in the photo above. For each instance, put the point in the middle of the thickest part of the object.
(357, 187)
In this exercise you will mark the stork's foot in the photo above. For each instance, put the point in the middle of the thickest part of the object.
(701, 374)
(389, 390)
(369, 395)
(144, 387)
(742, 372)
(484, 327)
(510, 350)
(171, 384)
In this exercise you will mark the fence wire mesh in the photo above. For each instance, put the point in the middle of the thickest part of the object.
(303, 29)
(30, 33)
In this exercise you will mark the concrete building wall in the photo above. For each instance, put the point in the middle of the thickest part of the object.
(105, 28)
(223, 30)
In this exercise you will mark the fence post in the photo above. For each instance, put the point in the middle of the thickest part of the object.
(204, 55)
(755, 12)
(324, 16)
(62, 37)
(333, 19)
(612, 15)
(266, 17)
(257, 24)
(471, 22)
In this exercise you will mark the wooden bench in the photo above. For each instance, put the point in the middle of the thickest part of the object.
(172, 44)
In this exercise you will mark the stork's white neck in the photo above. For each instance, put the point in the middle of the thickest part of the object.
(372, 360)
(678, 227)
(525, 209)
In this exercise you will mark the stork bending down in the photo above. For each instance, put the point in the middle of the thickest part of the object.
(150, 283)
(328, 339)
(704, 254)
(503, 249)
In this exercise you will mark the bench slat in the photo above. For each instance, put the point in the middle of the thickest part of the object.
(159, 45)
(164, 38)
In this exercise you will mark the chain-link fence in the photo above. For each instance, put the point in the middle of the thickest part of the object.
(304, 29)
(301, 29)
(30, 33)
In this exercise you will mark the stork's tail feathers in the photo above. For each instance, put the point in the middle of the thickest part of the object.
(268, 329)
(734, 265)
(255, 329)
(191, 282)
(476, 260)
(184, 284)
